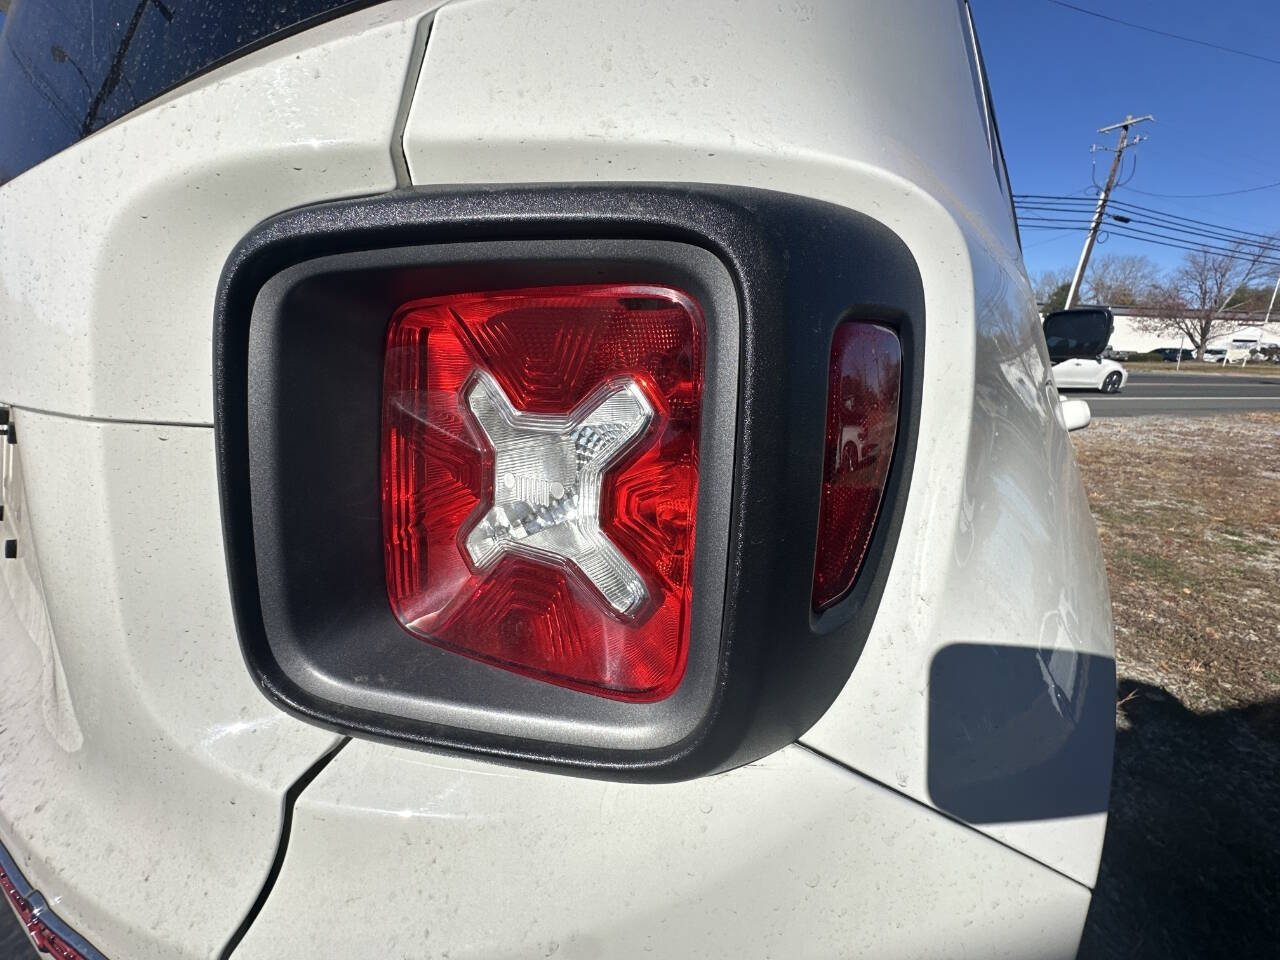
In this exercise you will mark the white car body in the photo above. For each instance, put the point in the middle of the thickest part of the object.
(167, 810)
(1084, 373)
(1231, 354)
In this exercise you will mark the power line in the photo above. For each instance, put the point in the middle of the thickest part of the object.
(1043, 240)
(1124, 219)
(1029, 199)
(1199, 228)
(1164, 33)
(1214, 242)
(1178, 219)
(1146, 236)
(1133, 172)
(1073, 195)
(1203, 196)
(1046, 212)
(1191, 140)
(1143, 237)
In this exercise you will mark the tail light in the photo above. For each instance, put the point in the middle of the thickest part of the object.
(531, 473)
(863, 390)
(539, 480)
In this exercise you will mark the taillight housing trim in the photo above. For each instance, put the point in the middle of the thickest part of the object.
(324, 322)
(775, 273)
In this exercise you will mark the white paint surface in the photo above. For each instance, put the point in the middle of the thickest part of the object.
(151, 832)
(869, 105)
(110, 251)
(791, 857)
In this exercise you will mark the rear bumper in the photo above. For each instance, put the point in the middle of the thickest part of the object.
(792, 856)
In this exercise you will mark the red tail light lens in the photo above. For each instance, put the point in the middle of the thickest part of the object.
(540, 477)
(862, 421)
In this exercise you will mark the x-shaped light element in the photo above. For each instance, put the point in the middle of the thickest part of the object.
(547, 476)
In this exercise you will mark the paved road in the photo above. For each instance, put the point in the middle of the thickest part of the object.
(1185, 394)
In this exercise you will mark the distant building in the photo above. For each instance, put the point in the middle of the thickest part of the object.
(1235, 332)
(1241, 335)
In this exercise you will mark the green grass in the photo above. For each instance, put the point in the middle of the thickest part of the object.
(1154, 567)
(1247, 548)
(1238, 541)
(1118, 516)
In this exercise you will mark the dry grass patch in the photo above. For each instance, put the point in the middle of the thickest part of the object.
(1188, 510)
(1189, 514)
(1198, 366)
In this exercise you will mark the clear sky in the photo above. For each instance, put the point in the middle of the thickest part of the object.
(1057, 75)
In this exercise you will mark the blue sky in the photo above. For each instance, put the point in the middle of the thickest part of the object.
(1057, 75)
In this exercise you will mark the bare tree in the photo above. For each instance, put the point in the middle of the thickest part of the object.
(1051, 287)
(1205, 285)
(1121, 280)
(1113, 280)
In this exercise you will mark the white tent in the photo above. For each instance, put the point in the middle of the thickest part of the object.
(1247, 337)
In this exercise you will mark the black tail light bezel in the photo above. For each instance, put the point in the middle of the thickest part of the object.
(315, 362)
(777, 273)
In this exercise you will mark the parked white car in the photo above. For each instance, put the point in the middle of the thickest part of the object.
(509, 479)
(1079, 373)
(1230, 354)
(1077, 342)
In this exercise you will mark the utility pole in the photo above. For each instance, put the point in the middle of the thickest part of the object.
(1262, 327)
(1123, 126)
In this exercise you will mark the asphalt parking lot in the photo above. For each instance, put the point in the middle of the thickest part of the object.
(1151, 393)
